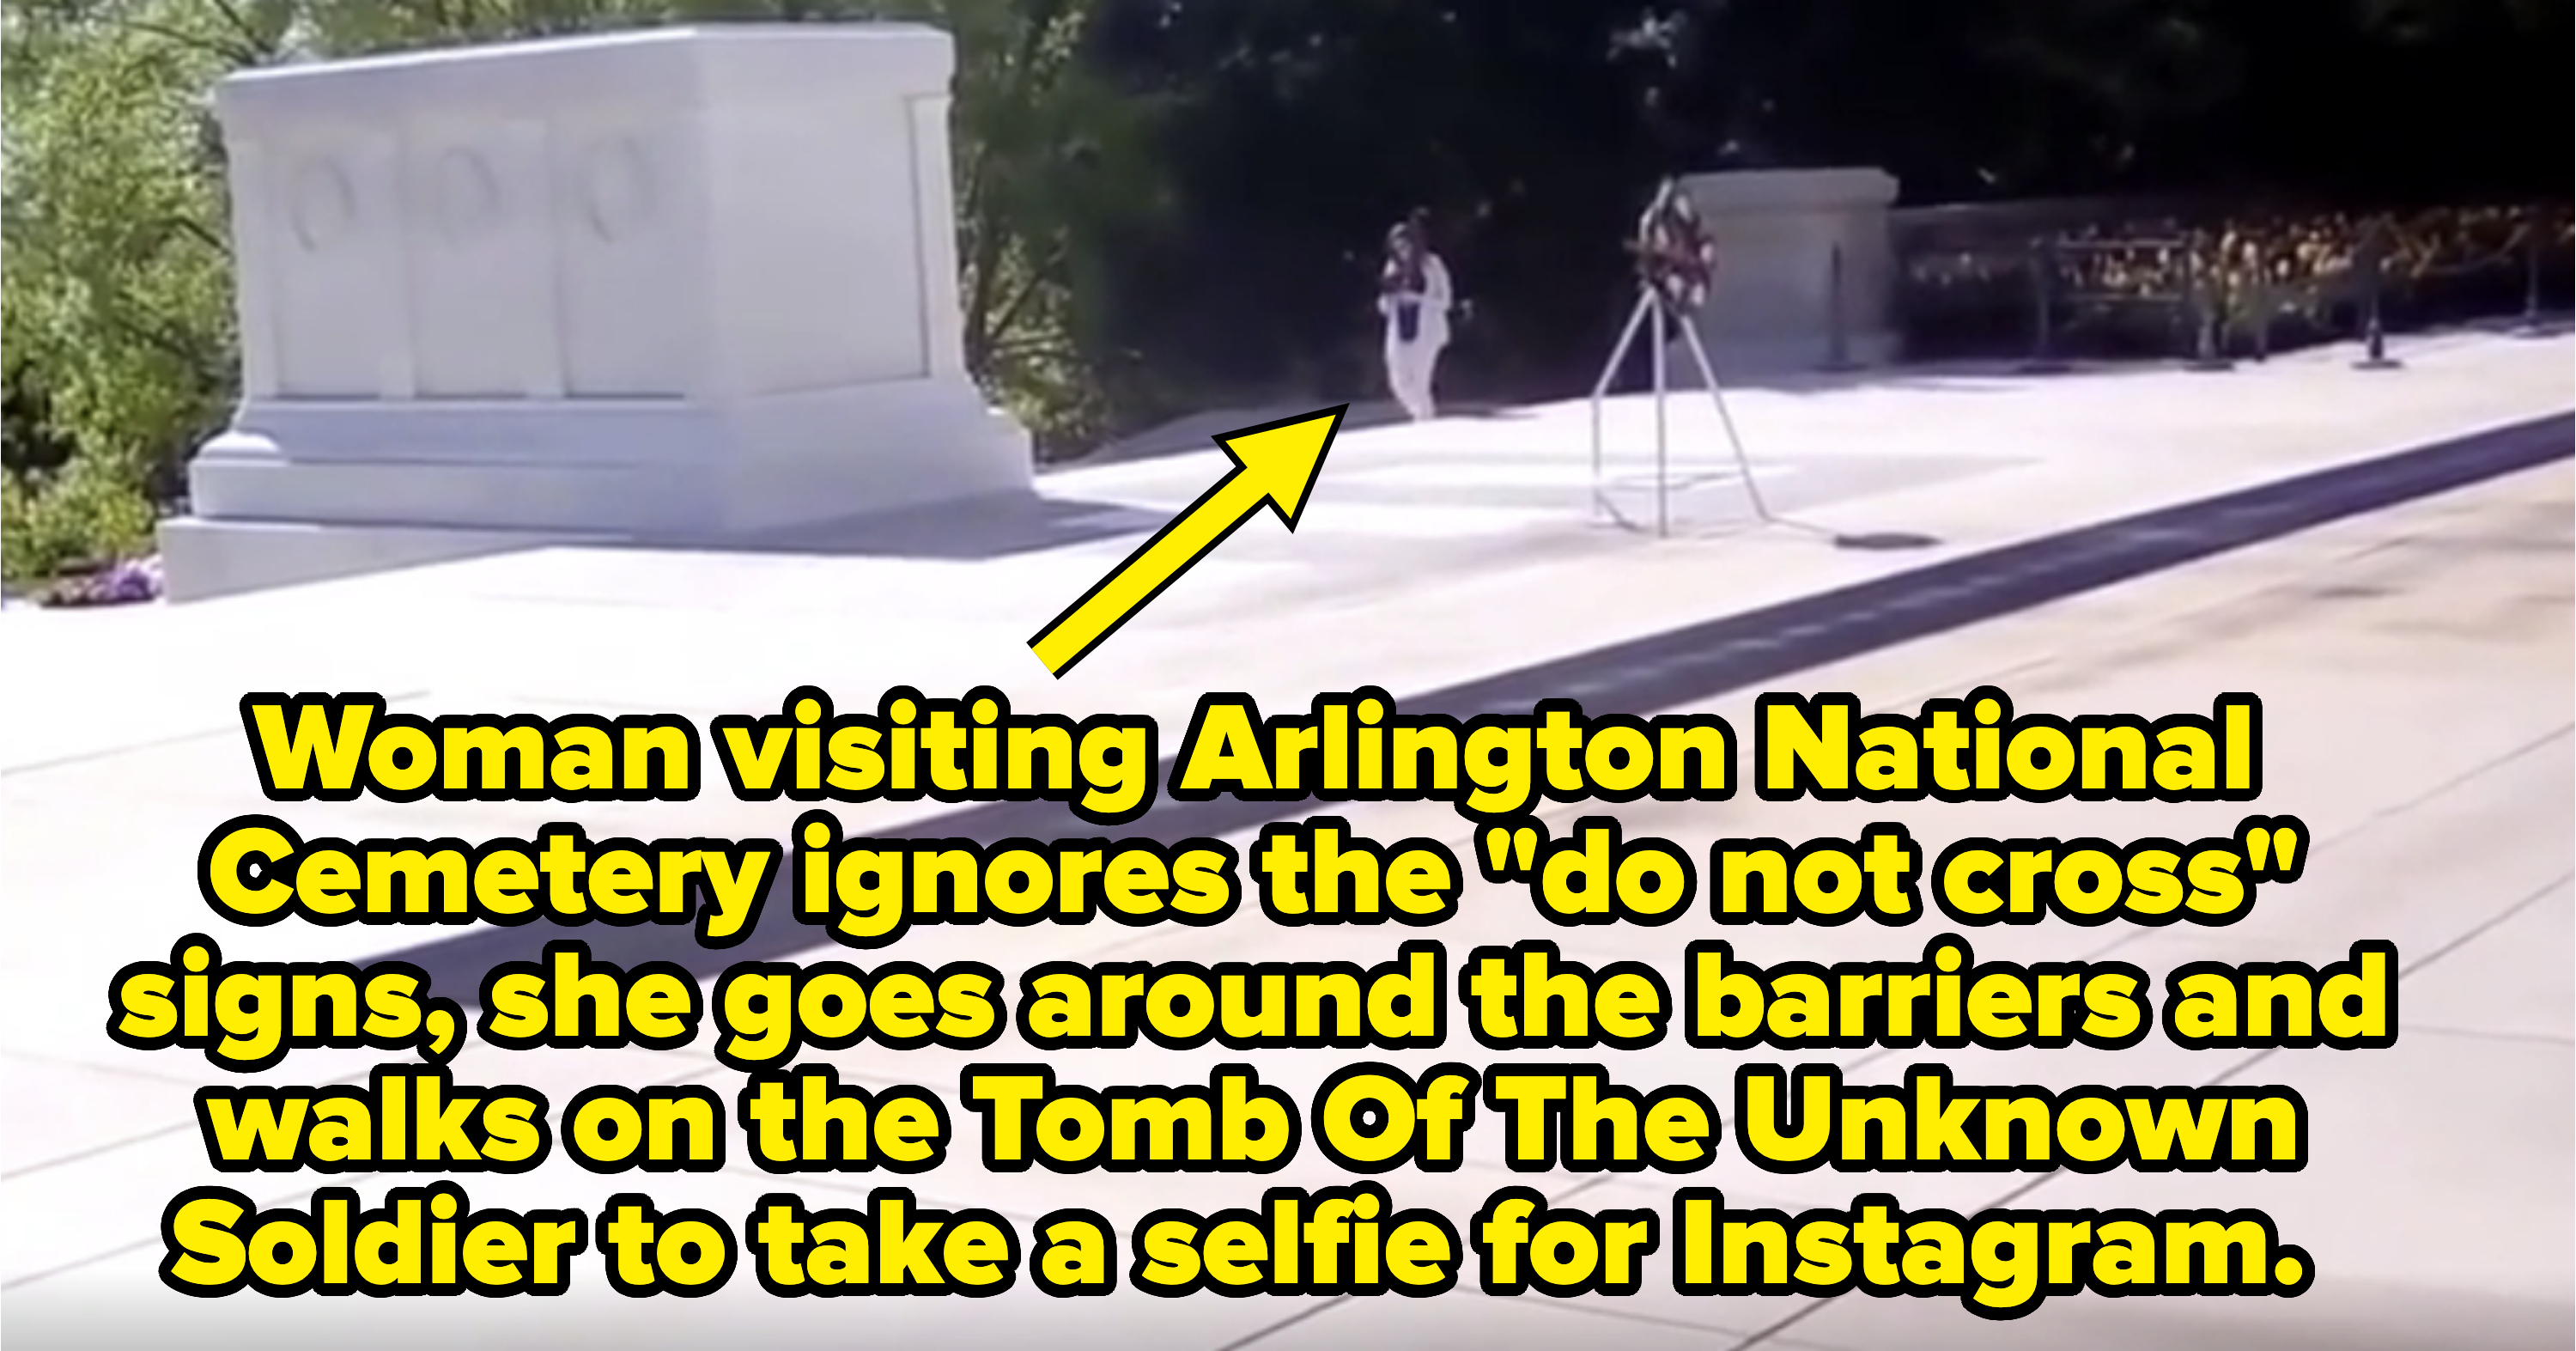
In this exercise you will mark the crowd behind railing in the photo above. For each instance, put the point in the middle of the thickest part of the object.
(2214, 287)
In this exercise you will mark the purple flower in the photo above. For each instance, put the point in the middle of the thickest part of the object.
(133, 579)
(123, 582)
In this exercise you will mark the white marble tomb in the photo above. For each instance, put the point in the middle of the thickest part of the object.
(675, 286)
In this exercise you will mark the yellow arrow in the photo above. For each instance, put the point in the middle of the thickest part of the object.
(1275, 465)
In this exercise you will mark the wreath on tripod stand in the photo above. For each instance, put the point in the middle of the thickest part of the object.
(1676, 265)
(1674, 255)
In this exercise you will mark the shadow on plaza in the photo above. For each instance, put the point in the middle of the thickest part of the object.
(966, 531)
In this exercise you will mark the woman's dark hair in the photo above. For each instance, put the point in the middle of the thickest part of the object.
(1403, 270)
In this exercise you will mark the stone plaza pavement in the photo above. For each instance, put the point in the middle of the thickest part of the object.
(2419, 689)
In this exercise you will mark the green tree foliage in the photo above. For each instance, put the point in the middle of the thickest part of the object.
(115, 318)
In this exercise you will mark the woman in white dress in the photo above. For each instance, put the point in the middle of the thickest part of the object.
(1414, 297)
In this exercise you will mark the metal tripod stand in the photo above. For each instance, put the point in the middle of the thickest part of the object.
(1655, 310)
